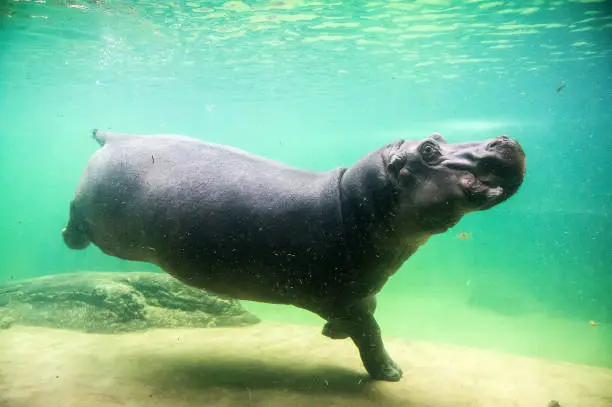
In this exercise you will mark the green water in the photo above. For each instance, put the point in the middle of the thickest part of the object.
(318, 84)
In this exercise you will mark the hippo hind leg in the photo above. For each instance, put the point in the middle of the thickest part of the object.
(75, 232)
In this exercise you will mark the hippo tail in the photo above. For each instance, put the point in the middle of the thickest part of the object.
(103, 137)
(99, 136)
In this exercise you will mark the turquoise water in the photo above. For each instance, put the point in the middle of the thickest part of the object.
(317, 85)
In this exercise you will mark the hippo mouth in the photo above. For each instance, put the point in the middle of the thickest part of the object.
(478, 189)
(493, 180)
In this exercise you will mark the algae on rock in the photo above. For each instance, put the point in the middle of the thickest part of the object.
(110, 302)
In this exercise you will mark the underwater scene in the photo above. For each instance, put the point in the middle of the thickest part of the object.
(305, 203)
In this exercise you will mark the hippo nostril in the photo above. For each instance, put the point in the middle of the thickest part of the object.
(493, 144)
(498, 142)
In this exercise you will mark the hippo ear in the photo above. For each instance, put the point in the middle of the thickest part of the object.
(438, 137)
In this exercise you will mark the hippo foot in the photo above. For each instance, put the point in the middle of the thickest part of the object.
(334, 330)
(387, 371)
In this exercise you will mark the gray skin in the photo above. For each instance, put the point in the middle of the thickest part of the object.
(250, 228)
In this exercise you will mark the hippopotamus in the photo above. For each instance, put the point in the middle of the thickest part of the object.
(251, 228)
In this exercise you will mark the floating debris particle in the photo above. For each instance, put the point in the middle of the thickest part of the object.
(464, 235)
(560, 87)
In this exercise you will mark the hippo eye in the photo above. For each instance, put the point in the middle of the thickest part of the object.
(429, 152)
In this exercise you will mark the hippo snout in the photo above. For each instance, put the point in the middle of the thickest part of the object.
(505, 148)
(503, 164)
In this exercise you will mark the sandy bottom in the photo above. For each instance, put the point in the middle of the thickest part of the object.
(272, 365)
(435, 316)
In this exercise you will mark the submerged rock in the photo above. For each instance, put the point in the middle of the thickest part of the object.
(109, 302)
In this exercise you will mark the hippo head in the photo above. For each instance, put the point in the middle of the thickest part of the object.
(436, 183)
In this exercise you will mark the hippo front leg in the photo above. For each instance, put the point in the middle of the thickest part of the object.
(359, 324)
(366, 336)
